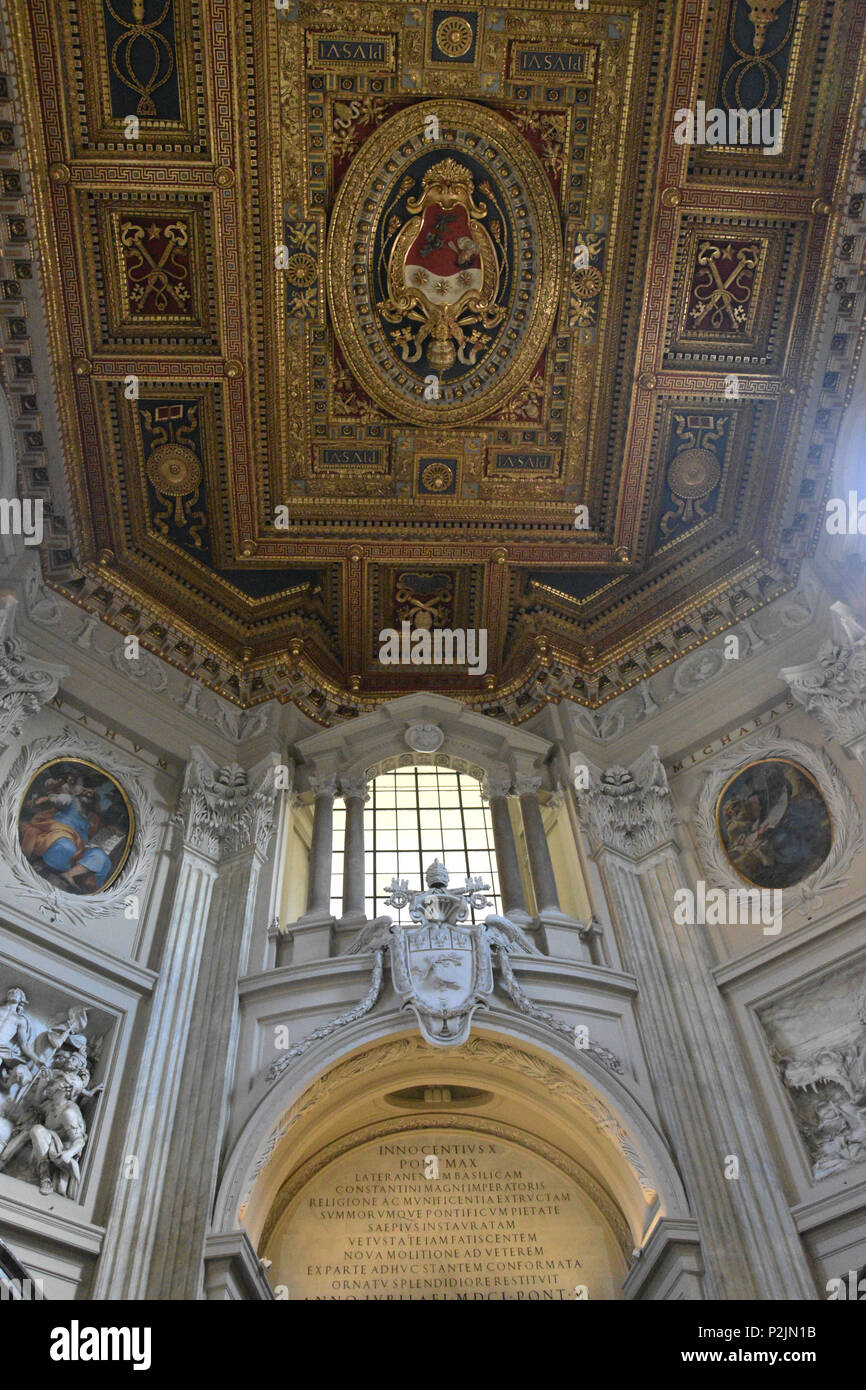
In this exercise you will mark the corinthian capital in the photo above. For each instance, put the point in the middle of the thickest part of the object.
(354, 786)
(626, 809)
(224, 810)
(492, 787)
(833, 686)
(25, 683)
(527, 783)
(325, 785)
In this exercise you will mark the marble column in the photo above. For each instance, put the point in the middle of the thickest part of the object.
(157, 1225)
(313, 934)
(751, 1247)
(543, 880)
(565, 937)
(355, 794)
(833, 686)
(496, 793)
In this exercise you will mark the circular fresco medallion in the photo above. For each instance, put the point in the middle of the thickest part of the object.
(774, 823)
(75, 826)
(444, 264)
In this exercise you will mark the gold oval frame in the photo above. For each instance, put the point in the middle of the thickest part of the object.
(347, 211)
(109, 777)
(758, 762)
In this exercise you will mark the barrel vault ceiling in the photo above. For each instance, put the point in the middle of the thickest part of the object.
(259, 474)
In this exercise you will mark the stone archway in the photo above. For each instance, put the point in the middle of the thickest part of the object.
(539, 1116)
(445, 1207)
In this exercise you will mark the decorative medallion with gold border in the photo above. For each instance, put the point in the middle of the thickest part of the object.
(435, 264)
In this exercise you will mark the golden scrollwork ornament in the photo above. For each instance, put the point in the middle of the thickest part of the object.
(174, 470)
(444, 273)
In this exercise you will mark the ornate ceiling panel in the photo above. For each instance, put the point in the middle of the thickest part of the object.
(373, 313)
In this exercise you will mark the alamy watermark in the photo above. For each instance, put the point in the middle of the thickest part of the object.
(732, 907)
(77, 1343)
(846, 517)
(719, 127)
(22, 518)
(850, 1287)
(439, 646)
(20, 1290)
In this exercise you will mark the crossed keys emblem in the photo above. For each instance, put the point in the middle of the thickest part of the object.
(730, 296)
(164, 278)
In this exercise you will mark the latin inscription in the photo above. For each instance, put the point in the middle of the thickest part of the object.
(538, 463)
(571, 61)
(351, 458)
(496, 1223)
(351, 51)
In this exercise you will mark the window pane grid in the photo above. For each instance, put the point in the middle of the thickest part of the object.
(415, 815)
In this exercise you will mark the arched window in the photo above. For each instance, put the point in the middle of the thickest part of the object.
(414, 815)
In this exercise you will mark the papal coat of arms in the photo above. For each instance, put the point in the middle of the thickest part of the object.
(442, 966)
(442, 969)
(444, 263)
(444, 272)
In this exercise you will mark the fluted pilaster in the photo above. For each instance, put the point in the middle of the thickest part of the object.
(158, 1223)
(751, 1246)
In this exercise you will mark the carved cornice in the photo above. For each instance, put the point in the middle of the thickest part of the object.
(626, 809)
(833, 686)
(222, 811)
(25, 683)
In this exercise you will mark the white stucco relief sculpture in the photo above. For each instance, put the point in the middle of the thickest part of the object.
(442, 966)
(833, 686)
(43, 1077)
(424, 738)
(25, 684)
(817, 1039)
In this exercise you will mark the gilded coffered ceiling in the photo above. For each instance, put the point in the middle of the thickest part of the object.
(365, 313)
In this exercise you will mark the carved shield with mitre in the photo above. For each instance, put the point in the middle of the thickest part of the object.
(444, 971)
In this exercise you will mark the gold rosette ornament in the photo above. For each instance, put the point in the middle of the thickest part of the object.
(174, 469)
